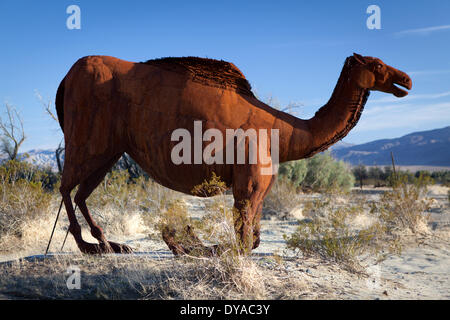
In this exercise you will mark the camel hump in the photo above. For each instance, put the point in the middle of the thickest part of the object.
(210, 72)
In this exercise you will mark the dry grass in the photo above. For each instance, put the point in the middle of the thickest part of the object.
(403, 209)
(140, 277)
(23, 203)
(121, 207)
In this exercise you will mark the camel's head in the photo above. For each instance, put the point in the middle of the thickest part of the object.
(374, 74)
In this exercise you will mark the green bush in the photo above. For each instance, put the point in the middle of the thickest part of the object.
(320, 173)
(293, 171)
(442, 177)
(360, 173)
(383, 176)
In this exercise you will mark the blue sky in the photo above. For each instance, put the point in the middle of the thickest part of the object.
(292, 51)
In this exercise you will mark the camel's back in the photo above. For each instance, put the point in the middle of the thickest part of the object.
(188, 88)
(210, 72)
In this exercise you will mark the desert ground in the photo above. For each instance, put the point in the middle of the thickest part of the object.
(421, 271)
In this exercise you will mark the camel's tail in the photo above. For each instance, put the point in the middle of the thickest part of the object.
(59, 103)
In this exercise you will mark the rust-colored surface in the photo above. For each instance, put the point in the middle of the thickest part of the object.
(107, 106)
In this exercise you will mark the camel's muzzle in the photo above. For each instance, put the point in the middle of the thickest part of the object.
(401, 79)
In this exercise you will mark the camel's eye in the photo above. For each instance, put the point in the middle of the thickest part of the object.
(379, 66)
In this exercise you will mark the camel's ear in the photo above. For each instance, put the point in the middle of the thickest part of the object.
(359, 58)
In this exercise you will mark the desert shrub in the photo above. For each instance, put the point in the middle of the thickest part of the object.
(384, 176)
(20, 170)
(115, 190)
(442, 177)
(360, 173)
(340, 177)
(22, 197)
(331, 234)
(125, 204)
(375, 173)
(216, 227)
(319, 173)
(175, 217)
(404, 207)
(222, 277)
(120, 191)
(281, 200)
(330, 231)
(294, 171)
(49, 179)
(213, 186)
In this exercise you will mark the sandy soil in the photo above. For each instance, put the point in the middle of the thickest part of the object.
(422, 271)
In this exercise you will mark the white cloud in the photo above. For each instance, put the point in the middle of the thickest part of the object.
(427, 72)
(424, 96)
(403, 116)
(423, 31)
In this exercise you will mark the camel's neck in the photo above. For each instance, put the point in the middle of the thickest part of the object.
(341, 113)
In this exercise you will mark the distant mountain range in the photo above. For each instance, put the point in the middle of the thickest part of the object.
(42, 158)
(39, 157)
(425, 148)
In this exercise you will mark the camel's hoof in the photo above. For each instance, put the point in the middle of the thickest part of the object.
(102, 248)
(91, 248)
(120, 248)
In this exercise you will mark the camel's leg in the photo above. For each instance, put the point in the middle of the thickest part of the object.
(244, 222)
(74, 227)
(78, 171)
(249, 190)
(257, 226)
(84, 191)
(257, 218)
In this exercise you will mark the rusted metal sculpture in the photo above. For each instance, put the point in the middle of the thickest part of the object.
(108, 107)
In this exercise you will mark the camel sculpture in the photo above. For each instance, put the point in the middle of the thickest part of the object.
(107, 107)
